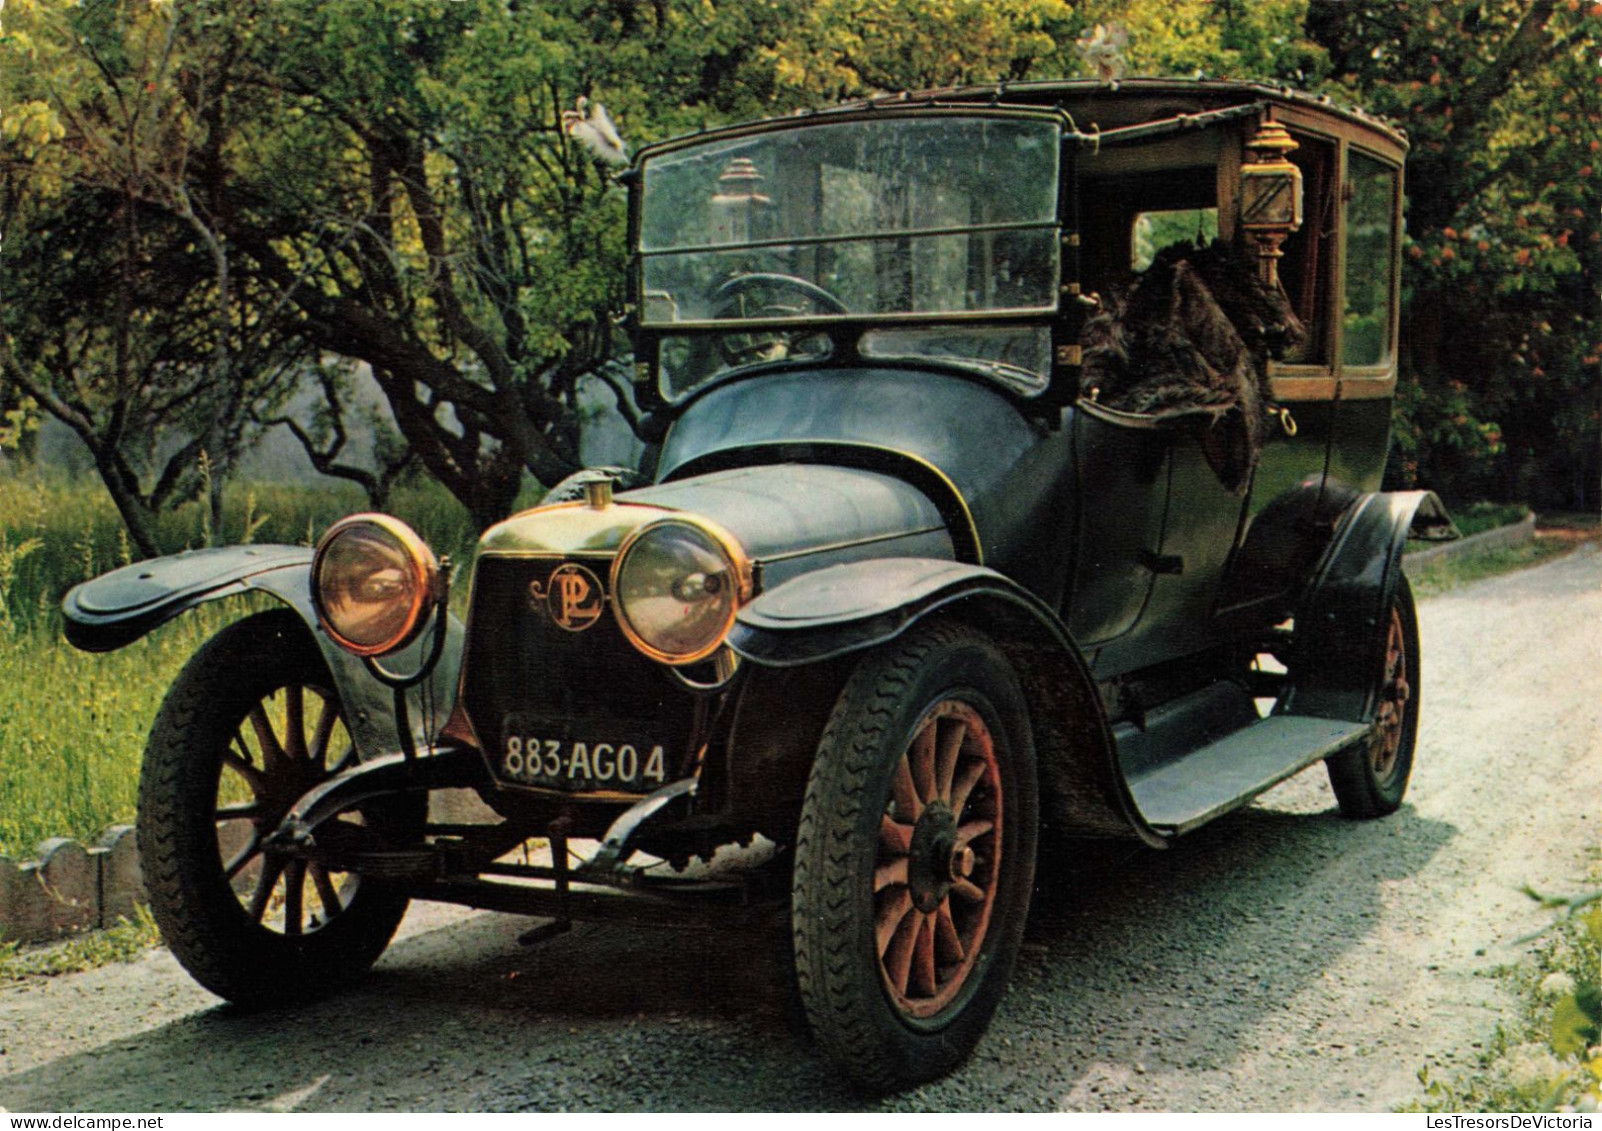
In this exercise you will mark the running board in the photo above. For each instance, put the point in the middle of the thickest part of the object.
(1179, 796)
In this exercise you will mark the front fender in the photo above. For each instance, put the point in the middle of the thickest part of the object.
(849, 608)
(1337, 642)
(118, 608)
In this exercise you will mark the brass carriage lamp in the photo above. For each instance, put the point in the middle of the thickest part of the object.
(1270, 195)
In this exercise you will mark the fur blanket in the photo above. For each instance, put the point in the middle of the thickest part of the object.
(1188, 341)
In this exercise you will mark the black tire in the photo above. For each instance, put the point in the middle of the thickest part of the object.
(248, 924)
(1370, 780)
(868, 871)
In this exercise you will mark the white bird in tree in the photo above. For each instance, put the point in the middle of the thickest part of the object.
(1102, 49)
(590, 126)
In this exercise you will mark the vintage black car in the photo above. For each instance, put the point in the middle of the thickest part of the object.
(1012, 467)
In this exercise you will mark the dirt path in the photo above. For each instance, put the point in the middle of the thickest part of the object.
(1279, 959)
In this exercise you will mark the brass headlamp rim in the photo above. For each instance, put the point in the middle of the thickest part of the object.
(740, 568)
(422, 566)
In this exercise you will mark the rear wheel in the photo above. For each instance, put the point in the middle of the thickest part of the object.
(1370, 780)
(252, 723)
(915, 858)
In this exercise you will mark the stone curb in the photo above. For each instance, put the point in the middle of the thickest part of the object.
(1510, 535)
(70, 888)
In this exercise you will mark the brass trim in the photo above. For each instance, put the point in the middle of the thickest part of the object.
(1368, 387)
(425, 573)
(739, 565)
(1290, 389)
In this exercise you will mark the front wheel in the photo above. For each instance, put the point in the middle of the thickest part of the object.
(915, 858)
(1370, 780)
(252, 723)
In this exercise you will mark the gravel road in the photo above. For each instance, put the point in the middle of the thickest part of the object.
(1279, 959)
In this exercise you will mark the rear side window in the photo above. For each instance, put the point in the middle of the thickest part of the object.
(1370, 247)
(1156, 230)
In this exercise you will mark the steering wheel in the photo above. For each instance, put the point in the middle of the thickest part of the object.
(775, 345)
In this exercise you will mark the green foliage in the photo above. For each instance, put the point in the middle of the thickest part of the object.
(1503, 108)
(124, 942)
(1550, 1057)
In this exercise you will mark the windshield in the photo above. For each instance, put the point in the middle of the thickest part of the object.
(894, 219)
(901, 215)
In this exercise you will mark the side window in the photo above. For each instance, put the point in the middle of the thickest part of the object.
(1154, 231)
(1370, 246)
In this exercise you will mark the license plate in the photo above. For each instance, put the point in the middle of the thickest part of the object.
(544, 756)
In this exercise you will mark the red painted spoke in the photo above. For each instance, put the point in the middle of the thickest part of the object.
(294, 895)
(971, 773)
(922, 757)
(950, 942)
(973, 830)
(326, 891)
(239, 762)
(890, 874)
(295, 721)
(969, 890)
(946, 759)
(898, 959)
(923, 965)
(891, 915)
(266, 740)
(271, 869)
(244, 856)
(318, 752)
(908, 807)
(894, 837)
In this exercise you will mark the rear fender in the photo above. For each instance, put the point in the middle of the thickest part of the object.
(118, 608)
(821, 617)
(1337, 642)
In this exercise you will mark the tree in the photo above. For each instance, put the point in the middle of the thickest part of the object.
(1503, 106)
(123, 316)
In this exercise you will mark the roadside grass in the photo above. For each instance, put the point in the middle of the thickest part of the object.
(73, 725)
(1476, 518)
(1548, 1057)
(124, 942)
(1445, 574)
(58, 530)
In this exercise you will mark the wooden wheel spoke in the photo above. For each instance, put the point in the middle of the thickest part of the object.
(963, 786)
(294, 896)
(946, 760)
(922, 757)
(908, 807)
(903, 948)
(239, 761)
(326, 891)
(244, 856)
(318, 751)
(894, 837)
(923, 965)
(889, 874)
(266, 740)
(972, 831)
(891, 915)
(271, 869)
(946, 937)
(295, 721)
(969, 890)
